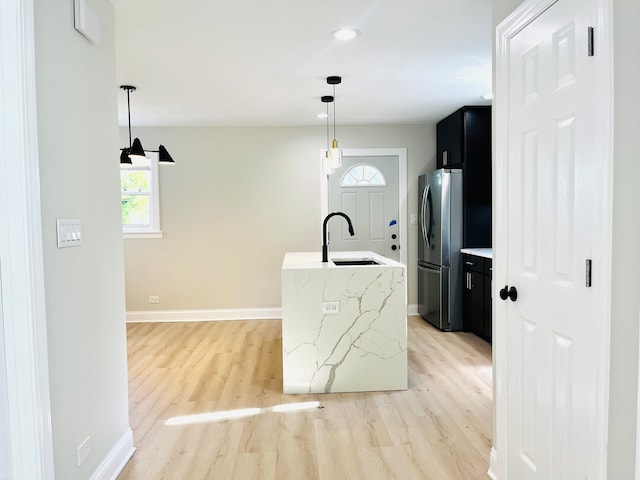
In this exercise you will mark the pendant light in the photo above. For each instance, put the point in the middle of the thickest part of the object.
(336, 153)
(135, 151)
(326, 160)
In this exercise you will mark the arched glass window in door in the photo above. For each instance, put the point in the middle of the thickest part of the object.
(363, 175)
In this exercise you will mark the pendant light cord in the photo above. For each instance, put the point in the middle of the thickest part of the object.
(129, 115)
(328, 126)
(334, 112)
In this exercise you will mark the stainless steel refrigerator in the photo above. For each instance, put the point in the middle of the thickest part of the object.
(439, 258)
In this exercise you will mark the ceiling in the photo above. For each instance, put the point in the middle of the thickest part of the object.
(265, 62)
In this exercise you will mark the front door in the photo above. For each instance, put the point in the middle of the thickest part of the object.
(555, 324)
(366, 189)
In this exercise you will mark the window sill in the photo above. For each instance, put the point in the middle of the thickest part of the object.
(128, 235)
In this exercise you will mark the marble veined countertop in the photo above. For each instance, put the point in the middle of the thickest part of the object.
(314, 260)
(479, 252)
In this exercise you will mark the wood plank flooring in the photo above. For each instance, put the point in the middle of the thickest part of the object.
(204, 404)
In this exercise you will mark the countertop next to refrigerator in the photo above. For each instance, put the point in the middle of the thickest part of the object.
(479, 252)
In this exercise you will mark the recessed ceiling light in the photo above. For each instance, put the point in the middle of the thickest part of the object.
(488, 96)
(346, 34)
(322, 115)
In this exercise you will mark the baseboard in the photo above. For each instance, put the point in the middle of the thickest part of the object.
(204, 315)
(493, 462)
(215, 315)
(117, 458)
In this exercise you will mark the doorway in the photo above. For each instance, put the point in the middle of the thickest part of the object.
(384, 225)
(551, 331)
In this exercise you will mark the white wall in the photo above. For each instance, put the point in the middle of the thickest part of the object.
(5, 448)
(78, 140)
(626, 231)
(236, 200)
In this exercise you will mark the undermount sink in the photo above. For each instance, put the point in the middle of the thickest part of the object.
(341, 262)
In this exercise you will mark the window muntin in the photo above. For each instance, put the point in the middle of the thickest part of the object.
(363, 175)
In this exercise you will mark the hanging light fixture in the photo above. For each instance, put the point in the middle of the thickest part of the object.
(135, 151)
(336, 153)
(326, 159)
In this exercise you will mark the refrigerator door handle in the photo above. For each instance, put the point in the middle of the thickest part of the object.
(430, 205)
(423, 220)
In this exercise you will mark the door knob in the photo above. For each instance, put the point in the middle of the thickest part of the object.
(510, 293)
(394, 247)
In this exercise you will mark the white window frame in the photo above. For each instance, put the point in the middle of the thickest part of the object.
(153, 229)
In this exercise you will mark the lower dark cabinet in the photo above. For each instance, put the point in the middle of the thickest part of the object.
(477, 295)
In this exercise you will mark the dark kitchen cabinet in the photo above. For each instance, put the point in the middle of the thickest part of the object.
(476, 299)
(463, 140)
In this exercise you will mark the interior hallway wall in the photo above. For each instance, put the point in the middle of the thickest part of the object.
(79, 178)
(625, 302)
(5, 447)
(236, 200)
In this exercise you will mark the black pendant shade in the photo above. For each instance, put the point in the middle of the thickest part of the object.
(124, 157)
(135, 149)
(163, 156)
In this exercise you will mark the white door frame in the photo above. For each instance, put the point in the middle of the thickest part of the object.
(22, 298)
(401, 155)
(518, 20)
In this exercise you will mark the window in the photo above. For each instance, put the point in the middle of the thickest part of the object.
(363, 175)
(139, 199)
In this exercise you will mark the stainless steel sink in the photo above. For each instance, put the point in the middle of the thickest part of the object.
(344, 262)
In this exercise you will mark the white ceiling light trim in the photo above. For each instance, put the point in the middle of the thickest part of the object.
(346, 34)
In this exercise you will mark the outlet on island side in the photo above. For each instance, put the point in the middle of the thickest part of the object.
(83, 450)
(154, 299)
(330, 307)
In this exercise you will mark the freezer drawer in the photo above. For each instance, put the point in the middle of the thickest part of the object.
(438, 301)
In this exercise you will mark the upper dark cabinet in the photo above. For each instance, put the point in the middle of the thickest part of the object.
(464, 133)
(464, 141)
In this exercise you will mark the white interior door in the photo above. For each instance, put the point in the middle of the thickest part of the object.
(366, 189)
(555, 326)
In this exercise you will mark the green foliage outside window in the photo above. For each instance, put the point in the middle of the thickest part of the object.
(135, 197)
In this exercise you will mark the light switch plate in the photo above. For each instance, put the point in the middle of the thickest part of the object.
(69, 232)
(414, 218)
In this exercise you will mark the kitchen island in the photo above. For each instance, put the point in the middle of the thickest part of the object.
(344, 326)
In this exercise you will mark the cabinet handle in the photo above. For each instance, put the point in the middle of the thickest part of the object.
(445, 160)
(469, 263)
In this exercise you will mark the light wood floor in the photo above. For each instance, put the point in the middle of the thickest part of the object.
(439, 429)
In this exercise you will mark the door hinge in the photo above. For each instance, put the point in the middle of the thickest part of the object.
(588, 273)
(590, 50)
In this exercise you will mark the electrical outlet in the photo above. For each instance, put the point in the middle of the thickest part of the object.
(330, 307)
(154, 299)
(84, 449)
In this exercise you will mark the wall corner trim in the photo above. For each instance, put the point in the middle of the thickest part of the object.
(116, 459)
(493, 463)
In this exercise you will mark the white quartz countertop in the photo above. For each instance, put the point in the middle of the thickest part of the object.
(479, 252)
(314, 260)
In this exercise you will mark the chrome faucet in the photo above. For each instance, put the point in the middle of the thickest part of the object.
(325, 246)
